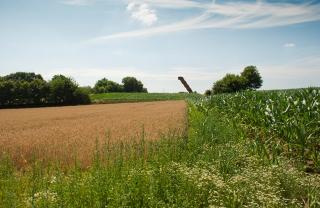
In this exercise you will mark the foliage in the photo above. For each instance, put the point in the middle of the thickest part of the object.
(131, 84)
(25, 89)
(249, 79)
(87, 89)
(252, 77)
(62, 89)
(230, 83)
(81, 96)
(207, 92)
(105, 86)
(23, 76)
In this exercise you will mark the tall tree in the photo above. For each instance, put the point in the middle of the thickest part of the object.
(252, 77)
(62, 89)
(131, 84)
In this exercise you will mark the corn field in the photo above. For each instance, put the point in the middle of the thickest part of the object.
(280, 123)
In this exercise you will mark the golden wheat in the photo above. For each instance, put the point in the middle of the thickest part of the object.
(60, 133)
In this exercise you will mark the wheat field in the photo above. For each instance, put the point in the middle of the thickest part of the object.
(64, 133)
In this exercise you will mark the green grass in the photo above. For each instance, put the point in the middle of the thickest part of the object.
(221, 162)
(135, 97)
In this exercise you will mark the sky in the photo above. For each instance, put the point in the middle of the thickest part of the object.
(158, 40)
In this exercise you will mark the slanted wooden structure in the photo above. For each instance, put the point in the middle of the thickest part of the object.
(185, 84)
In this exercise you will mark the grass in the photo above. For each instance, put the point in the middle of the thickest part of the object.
(135, 97)
(217, 164)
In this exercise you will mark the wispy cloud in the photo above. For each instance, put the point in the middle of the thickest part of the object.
(143, 13)
(289, 45)
(239, 15)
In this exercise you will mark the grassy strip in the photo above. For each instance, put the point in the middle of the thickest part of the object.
(135, 97)
(215, 165)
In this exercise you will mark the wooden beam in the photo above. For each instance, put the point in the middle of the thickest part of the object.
(185, 84)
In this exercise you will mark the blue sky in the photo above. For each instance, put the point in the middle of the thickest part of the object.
(159, 40)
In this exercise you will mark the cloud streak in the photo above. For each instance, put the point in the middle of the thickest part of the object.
(239, 15)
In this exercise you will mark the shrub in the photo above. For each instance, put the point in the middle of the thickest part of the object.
(104, 86)
(62, 89)
(131, 84)
(230, 83)
(25, 89)
(81, 96)
(249, 79)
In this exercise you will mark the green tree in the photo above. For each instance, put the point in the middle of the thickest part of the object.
(23, 76)
(25, 88)
(62, 89)
(81, 96)
(229, 83)
(104, 86)
(252, 77)
(39, 91)
(249, 79)
(131, 84)
(6, 92)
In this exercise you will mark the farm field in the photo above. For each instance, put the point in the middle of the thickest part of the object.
(247, 149)
(135, 97)
(64, 133)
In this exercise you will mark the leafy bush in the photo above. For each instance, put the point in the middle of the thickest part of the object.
(81, 96)
(131, 84)
(249, 79)
(24, 89)
(62, 89)
(104, 86)
(23, 76)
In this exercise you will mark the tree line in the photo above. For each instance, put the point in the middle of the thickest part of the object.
(30, 89)
(249, 79)
(129, 84)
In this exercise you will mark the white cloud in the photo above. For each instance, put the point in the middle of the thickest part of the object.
(289, 45)
(143, 13)
(78, 2)
(239, 15)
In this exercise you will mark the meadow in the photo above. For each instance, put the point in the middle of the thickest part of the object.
(249, 149)
(135, 97)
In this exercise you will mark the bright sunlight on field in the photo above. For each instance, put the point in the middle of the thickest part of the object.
(63, 133)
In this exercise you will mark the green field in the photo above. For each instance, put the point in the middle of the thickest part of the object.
(250, 149)
(135, 97)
